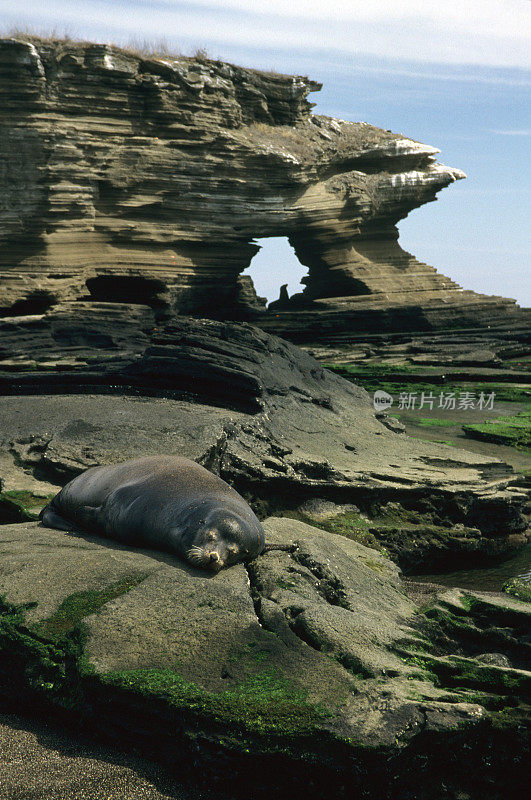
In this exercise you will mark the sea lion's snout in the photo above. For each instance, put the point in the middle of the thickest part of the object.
(222, 539)
(214, 561)
(206, 559)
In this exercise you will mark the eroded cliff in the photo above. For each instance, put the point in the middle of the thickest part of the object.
(128, 179)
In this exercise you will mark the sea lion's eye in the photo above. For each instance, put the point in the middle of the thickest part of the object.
(232, 549)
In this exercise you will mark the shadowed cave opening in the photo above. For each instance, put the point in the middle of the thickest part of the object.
(37, 302)
(126, 289)
(275, 265)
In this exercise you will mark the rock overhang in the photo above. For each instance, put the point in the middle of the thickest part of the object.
(168, 168)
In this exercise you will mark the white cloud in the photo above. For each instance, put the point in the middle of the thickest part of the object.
(505, 17)
(523, 132)
(480, 32)
(450, 73)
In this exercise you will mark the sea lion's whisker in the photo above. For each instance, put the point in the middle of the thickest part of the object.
(196, 555)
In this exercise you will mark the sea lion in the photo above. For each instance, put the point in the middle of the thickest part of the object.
(165, 503)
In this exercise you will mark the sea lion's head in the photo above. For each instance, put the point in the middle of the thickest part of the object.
(225, 538)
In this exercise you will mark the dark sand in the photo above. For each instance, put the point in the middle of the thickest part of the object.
(41, 762)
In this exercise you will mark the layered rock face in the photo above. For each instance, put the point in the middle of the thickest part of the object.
(127, 179)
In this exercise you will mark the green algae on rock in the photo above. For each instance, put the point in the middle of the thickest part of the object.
(414, 538)
(267, 703)
(519, 589)
(76, 607)
(21, 505)
(513, 430)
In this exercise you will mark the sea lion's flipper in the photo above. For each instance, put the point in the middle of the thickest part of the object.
(87, 519)
(51, 519)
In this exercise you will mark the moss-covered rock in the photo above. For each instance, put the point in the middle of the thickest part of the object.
(311, 669)
(513, 430)
(417, 539)
(519, 589)
(21, 506)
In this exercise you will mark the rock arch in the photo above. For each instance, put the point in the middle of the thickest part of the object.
(167, 171)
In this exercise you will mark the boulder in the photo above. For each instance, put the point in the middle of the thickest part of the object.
(314, 662)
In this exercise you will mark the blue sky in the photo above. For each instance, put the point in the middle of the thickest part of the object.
(453, 74)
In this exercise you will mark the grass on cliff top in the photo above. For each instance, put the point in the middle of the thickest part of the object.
(148, 49)
(514, 431)
(141, 48)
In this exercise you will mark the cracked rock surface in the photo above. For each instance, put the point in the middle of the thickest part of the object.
(352, 615)
(326, 635)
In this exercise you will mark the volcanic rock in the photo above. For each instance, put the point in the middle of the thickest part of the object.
(253, 408)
